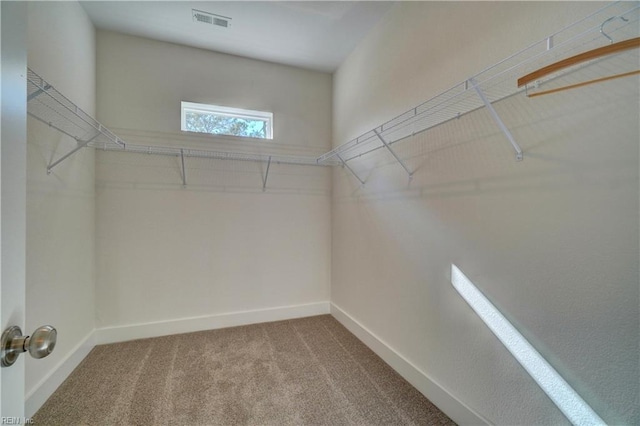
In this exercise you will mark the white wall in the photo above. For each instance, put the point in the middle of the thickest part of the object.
(220, 245)
(146, 93)
(552, 240)
(60, 270)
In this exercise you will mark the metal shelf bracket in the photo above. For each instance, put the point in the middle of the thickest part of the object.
(497, 119)
(491, 85)
(402, 163)
(81, 144)
(344, 164)
(41, 90)
(266, 175)
(184, 170)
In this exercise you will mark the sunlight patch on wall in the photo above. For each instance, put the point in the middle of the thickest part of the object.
(568, 401)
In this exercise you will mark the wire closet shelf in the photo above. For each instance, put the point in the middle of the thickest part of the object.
(46, 104)
(617, 21)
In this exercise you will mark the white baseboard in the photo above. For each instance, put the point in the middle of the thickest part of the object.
(454, 408)
(38, 395)
(209, 322)
(449, 404)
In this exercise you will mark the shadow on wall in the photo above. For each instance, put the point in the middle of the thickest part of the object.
(152, 172)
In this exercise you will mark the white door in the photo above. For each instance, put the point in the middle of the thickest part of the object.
(13, 158)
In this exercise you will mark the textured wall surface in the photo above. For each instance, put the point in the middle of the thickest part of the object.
(552, 241)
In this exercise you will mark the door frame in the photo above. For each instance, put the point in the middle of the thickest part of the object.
(13, 177)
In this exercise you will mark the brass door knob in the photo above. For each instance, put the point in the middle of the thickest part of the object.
(39, 344)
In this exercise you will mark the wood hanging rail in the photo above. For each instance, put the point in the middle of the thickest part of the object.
(582, 57)
(584, 83)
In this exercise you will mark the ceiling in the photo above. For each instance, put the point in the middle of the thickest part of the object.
(316, 35)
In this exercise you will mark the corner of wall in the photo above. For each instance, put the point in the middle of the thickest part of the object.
(127, 332)
(435, 392)
(38, 395)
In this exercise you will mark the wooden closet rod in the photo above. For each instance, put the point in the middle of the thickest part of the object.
(584, 83)
(582, 57)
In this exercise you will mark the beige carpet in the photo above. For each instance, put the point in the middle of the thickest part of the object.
(308, 371)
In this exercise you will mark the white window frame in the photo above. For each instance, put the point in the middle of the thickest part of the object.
(226, 111)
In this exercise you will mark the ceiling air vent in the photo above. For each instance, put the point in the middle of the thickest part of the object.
(210, 18)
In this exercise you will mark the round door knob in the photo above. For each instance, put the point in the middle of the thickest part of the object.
(39, 344)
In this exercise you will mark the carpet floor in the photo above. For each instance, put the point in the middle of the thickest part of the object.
(309, 371)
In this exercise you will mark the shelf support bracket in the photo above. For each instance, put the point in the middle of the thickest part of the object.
(498, 120)
(184, 170)
(81, 144)
(344, 164)
(402, 163)
(266, 176)
(38, 92)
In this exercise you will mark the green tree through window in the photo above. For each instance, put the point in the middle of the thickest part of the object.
(222, 120)
(225, 125)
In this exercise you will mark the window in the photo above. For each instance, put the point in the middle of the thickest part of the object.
(219, 120)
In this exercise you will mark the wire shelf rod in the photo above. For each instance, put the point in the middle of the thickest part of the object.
(493, 78)
(456, 117)
(456, 113)
(48, 123)
(493, 84)
(554, 49)
(57, 111)
(59, 121)
(556, 46)
(216, 155)
(76, 111)
(38, 92)
(537, 43)
(371, 135)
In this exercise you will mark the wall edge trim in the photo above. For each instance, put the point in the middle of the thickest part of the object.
(435, 392)
(41, 391)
